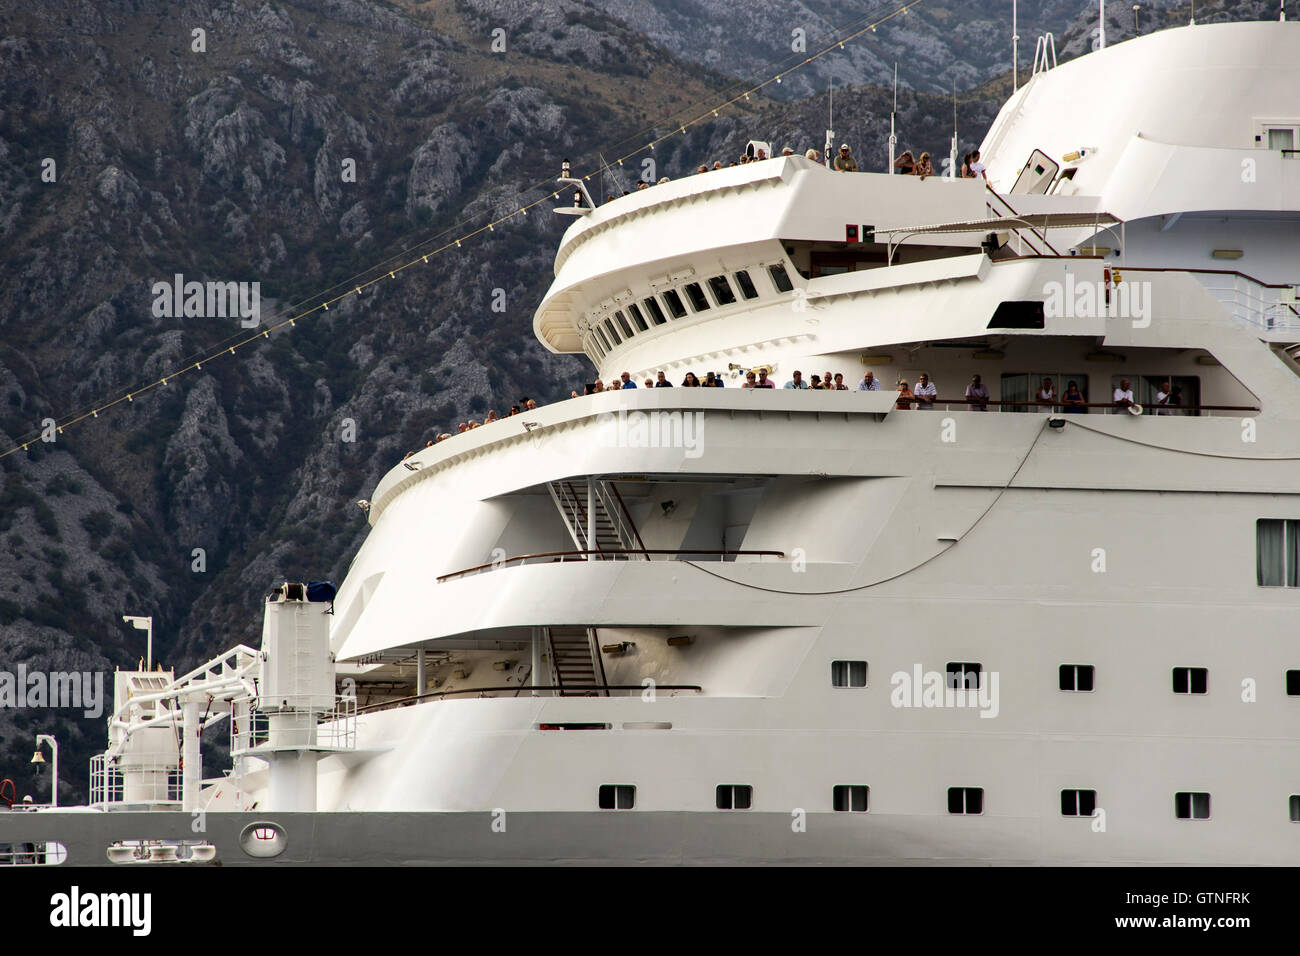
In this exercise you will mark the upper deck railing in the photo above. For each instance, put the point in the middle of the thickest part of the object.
(1271, 308)
(624, 554)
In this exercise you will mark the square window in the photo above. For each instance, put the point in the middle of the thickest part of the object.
(1078, 803)
(849, 798)
(1192, 806)
(967, 800)
(746, 284)
(963, 675)
(848, 673)
(1293, 683)
(735, 796)
(1191, 680)
(617, 796)
(1076, 677)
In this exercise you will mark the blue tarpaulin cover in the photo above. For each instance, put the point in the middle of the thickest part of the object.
(321, 591)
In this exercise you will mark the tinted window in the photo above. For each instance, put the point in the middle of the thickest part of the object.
(613, 333)
(722, 290)
(622, 324)
(656, 313)
(746, 285)
(674, 303)
(696, 296)
(637, 317)
(779, 278)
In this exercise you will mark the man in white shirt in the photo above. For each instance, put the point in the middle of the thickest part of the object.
(977, 167)
(1162, 399)
(925, 391)
(869, 383)
(1124, 394)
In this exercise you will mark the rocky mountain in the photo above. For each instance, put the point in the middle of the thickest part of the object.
(309, 146)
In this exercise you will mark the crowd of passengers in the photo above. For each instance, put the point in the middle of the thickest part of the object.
(907, 164)
(922, 397)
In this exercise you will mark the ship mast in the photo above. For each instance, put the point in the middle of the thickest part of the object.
(893, 137)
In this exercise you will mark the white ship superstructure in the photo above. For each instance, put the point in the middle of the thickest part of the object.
(736, 624)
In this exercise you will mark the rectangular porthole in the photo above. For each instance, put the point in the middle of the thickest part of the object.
(1294, 803)
(848, 673)
(617, 796)
(1192, 806)
(1191, 680)
(966, 800)
(721, 290)
(656, 314)
(745, 284)
(674, 302)
(734, 796)
(1293, 683)
(1078, 803)
(1076, 677)
(849, 798)
(573, 725)
(780, 278)
(695, 295)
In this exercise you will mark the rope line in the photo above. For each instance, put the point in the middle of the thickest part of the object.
(387, 269)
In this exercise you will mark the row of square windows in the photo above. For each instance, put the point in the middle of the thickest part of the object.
(626, 322)
(854, 798)
(961, 675)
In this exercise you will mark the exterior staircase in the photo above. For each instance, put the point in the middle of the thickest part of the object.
(575, 661)
(610, 528)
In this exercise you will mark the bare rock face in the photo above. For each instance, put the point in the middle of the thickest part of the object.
(437, 169)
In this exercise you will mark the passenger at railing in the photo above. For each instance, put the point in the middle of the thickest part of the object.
(816, 383)
(977, 169)
(796, 381)
(924, 167)
(649, 383)
(662, 180)
(597, 386)
(904, 396)
(704, 168)
(713, 380)
(1046, 392)
(462, 428)
(763, 380)
(661, 381)
(491, 416)
(516, 410)
(869, 382)
(626, 378)
(760, 155)
(717, 164)
(751, 380)
(844, 162)
(828, 382)
(1124, 394)
(642, 184)
(530, 405)
(690, 381)
(906, 164)
(965, 167)
(925, 392)
(787, 152)
(812, 154)
(744, 159)
(977, 393)
(473, 424)
(1073, 399)
(1162, 399)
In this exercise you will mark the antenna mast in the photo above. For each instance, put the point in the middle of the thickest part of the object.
(829, 149)
(1102, 24)
(952, 153)
(893, 137)
(1015, 49)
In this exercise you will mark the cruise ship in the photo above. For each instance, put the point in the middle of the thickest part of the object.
(1046, 624)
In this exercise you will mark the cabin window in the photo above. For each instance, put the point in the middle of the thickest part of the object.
(1026, 386)
(1277, 553)
(1018, 315)
(966, 800)
(674, 303)
(848, 673)
(1191, 680)
(1192, 806)
(780, 278)
(963, 675)
(622, 323)
(1076, 677)
(1295, 807)
(603, 341)
(637, 317)
(695, 295)
(745, 284)
(1293, 683)
(613, 332)
(1078, 803)
(1184, 390)
(735, 796)
(617, 796)
(656, 313)
(849, 798)
(721, 290)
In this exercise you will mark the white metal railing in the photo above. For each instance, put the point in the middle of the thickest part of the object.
(43, 853)
(299, 721)
(1267, 307)
(108, 783)
(1044, 54)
